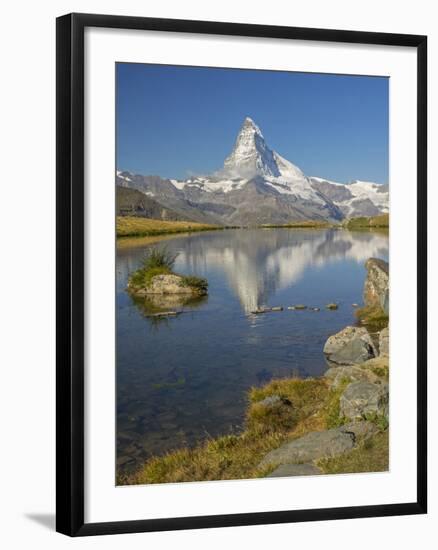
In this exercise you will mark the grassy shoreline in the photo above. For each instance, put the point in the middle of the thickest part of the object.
(310, 404)
(305, 224)
(131, 226)
(373, 222)
(137, 227)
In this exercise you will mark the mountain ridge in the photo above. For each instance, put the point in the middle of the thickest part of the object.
(256, 185)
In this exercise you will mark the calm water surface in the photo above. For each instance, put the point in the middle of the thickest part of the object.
(183, 379)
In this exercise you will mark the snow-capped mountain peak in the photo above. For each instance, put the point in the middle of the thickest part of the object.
(258, 186)
(250, 156)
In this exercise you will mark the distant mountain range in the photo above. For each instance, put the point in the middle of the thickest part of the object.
(255, 186)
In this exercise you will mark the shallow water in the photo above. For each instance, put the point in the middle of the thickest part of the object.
(182, 379)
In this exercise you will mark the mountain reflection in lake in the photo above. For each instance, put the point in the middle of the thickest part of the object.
(182, 379)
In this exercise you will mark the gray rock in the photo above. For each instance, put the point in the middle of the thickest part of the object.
(384, 341)
(336, 375)
(376, 288)
(311, 446)
(271, 401)
(361, 430)
(289, 470)
(169, 284)
(350, 346)
(363, 398)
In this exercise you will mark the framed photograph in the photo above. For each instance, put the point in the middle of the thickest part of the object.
(232, 345)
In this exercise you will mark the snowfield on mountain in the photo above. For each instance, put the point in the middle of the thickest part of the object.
(258, 186)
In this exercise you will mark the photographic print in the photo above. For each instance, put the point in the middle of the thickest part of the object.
(252, 274)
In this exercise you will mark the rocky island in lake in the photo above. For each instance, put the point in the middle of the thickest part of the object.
(160, 287)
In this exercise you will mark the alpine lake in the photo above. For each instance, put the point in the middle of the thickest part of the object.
(184, 378)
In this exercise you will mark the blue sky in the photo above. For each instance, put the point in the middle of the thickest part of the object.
(178, 121)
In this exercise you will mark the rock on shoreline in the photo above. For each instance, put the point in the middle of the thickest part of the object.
(350, 346)
(317, 445)
(376, 288)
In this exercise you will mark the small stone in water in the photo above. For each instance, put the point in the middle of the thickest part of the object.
(332, 306)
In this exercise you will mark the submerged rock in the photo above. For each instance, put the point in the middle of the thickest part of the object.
(376, 288)
(364, 398)
(350, 346)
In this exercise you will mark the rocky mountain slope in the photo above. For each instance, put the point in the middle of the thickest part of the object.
(131, 202)
(257, 186)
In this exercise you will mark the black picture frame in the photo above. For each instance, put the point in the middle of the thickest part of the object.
(70, 273)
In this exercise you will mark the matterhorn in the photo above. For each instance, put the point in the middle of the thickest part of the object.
(257, 186)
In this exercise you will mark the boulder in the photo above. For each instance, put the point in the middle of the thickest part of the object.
(384, 341)
(376, 288)
(271, 401)
(169, 284)
(360, 430)
(311, 446)
(317, 445)
(350, 346)
(363, 398)
(289, 470)
(336, 375)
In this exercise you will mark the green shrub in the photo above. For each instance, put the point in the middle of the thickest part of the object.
(159, 258)
(158, 261)
(372, 316)
(199, 283)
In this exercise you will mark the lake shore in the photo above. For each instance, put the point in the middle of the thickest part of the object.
(280, 413)
(334, 423)
(137, 227)
(132, 226)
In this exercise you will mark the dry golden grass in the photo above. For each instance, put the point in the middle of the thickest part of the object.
(131, 226)
(312, 406)
(309, 405)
